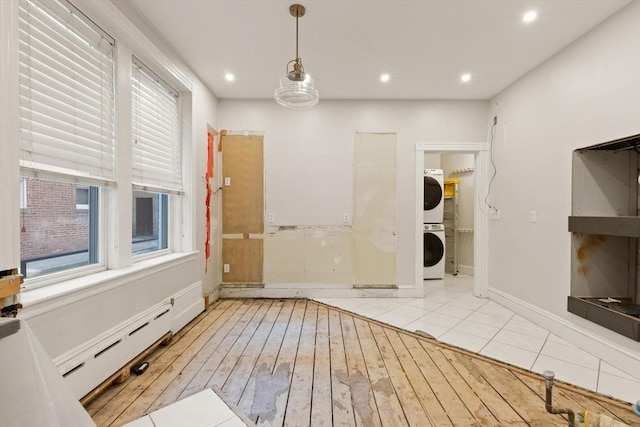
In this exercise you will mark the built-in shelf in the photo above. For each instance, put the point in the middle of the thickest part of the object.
(623, 226)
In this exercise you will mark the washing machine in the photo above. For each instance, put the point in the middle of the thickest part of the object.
(433, 253)
(433, 196)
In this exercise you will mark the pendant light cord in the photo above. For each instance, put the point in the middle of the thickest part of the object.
(297, 57)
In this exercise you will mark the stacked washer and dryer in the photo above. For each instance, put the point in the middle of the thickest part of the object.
(433, 227)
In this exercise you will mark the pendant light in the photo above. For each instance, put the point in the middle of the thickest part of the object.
(296, 87)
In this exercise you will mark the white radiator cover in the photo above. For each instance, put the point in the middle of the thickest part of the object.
(93, 332)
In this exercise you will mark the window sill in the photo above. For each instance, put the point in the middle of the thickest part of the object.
(86, 286)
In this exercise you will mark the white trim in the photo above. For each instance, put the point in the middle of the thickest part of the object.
(124, 31)
(48, 298)
(625, 359)
(480, 219)
(465, 269)
(316, 290)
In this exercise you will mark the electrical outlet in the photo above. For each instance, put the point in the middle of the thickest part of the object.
(494, 214)
(227, 181)
(533, 216)
(346, 218)
(271, 218)
(226, 268)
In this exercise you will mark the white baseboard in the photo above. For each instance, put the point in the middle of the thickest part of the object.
(188, 303)
(318, 290)
(623, 353)
(465, 269)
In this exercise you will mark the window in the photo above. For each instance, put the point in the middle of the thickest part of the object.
(156, 166)
(55, 236)
(67, 134)
(82, 197)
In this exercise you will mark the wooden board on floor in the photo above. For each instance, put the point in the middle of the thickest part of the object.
(301, 363)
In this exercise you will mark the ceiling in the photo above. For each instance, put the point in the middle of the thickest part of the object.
(425, 46)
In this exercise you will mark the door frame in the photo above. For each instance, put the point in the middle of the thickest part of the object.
(480, 150)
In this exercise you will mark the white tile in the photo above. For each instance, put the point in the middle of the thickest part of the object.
(557, 339)
(347, 303)
(141, 422)
(509, 354)
(612, 370)
(367, 310)
(426, 304)
(495, 308)
(477, 329)
(430, 328)
(451, 310)
(626, 389)
(570, 354)
(411, 311)
(464, 340)
(441, 319)
(233, 422)
(496, 320)
(388, 303)
(568, 372)
(471, 302)
(519, 340)
(203, 409)
(526, 328)
(395, 319)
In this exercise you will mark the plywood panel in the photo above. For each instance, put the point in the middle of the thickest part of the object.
(244, 257)
(375, 209)
(243, 199)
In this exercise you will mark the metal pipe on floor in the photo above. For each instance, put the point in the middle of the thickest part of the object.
(548, 384)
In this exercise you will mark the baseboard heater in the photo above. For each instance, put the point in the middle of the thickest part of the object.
(88, 366)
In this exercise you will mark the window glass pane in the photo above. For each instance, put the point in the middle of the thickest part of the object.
(150, 211)
(82, 197)
(55, 235)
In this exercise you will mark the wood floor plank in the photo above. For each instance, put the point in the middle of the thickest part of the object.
(298, 410)
(239, 377)
(435, 413)
(321, 414)
(565, 397)
(362, 398)
(140, 385)
(341, 403)
(447, 396)
(492, 400)
(217, 349)
(272, 407)
(251, 402)
(389, 409)
(230, 360)
(300, 363)
(410, 404)
(146, 402)
(201, 349)
(515, 393)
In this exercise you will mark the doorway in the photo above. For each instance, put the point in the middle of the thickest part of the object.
(480, 151)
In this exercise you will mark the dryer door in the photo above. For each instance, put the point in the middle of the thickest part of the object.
(433, 249)
(432, 193)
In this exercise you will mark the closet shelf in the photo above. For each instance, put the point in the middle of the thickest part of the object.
(624, 226)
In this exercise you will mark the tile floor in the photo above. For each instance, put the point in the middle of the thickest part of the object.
(450, 313)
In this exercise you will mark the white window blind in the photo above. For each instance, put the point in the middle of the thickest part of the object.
(66, 92)
(156, 133)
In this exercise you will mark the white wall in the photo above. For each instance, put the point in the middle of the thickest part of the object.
(586, 94)
(309, 154)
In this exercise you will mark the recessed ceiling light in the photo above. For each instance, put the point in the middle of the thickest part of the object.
(229, 77)
(530, 16)
(465, 77)
(384, 77)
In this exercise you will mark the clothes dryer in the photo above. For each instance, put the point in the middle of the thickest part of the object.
(433, 185)
(433, 256)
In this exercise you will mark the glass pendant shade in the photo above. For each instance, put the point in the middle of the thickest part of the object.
(296, 91)
(296, 87)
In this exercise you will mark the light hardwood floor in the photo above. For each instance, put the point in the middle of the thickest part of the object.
(301, 363)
